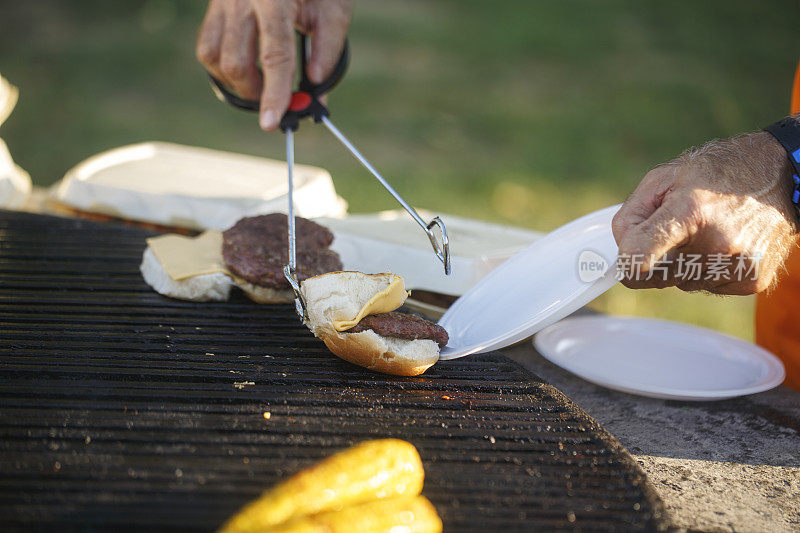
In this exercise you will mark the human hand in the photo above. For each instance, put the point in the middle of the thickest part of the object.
(235, 34)
(730, 197)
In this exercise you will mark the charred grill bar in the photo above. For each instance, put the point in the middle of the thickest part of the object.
(122, 409)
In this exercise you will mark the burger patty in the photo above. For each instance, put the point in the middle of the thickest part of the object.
(256, 249)
(402, 326)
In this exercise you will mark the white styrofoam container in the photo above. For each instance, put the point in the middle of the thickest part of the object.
(192, 187)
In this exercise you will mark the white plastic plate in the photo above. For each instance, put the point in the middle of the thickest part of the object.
(659, 358)
(546, 281)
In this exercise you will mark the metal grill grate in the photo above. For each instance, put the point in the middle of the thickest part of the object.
(122, 409)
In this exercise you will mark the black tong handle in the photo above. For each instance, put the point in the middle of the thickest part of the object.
(305, 100)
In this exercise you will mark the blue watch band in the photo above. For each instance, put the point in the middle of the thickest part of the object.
(787, 132)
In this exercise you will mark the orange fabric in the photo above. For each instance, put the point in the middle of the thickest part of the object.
(778, 314)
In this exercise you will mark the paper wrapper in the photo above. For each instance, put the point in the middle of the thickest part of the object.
(15, 183)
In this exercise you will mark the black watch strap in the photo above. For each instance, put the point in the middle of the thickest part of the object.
(787, 132)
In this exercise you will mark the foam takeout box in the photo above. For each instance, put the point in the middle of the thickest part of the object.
(197, 188)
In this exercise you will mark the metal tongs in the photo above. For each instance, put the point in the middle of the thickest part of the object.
(305, 102)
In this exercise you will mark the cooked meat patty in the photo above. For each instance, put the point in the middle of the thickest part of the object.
(256, 249)
(402, 326)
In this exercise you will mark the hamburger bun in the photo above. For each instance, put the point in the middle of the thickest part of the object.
(215, 287)
(249, 255)
(264, 295)
(337, 301)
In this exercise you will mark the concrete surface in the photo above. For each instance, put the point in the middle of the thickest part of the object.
(732, 465)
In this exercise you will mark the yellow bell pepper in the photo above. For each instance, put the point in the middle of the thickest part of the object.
(373, 470)
(409, 514)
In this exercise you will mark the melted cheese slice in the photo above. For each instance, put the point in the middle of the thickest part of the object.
(384, 301)
(185, 257)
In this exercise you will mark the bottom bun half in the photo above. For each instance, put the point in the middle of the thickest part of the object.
(204, 288)
(389, 355)
(264, 295)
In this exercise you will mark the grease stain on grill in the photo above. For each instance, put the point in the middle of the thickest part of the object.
(88, 349)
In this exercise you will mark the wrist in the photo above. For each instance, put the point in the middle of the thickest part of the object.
(774, 157)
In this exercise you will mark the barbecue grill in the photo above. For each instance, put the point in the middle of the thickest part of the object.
(122, 409)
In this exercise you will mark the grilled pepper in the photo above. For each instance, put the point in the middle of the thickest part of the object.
(377, 469)
(409, 514)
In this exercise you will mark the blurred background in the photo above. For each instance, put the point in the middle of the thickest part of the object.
(528, 113)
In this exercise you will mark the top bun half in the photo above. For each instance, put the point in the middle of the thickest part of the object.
(337, 301)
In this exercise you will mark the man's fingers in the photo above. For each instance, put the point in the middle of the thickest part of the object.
(275, 20)
(327, 41)
(667, 228)
(642, 231)
(643, 201)
(209, 40)
(240, 49)
(671, 226)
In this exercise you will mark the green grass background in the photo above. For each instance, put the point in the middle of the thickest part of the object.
(528, 113)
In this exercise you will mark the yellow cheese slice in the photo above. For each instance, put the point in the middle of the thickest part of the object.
(384, 301)
(185, 257)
